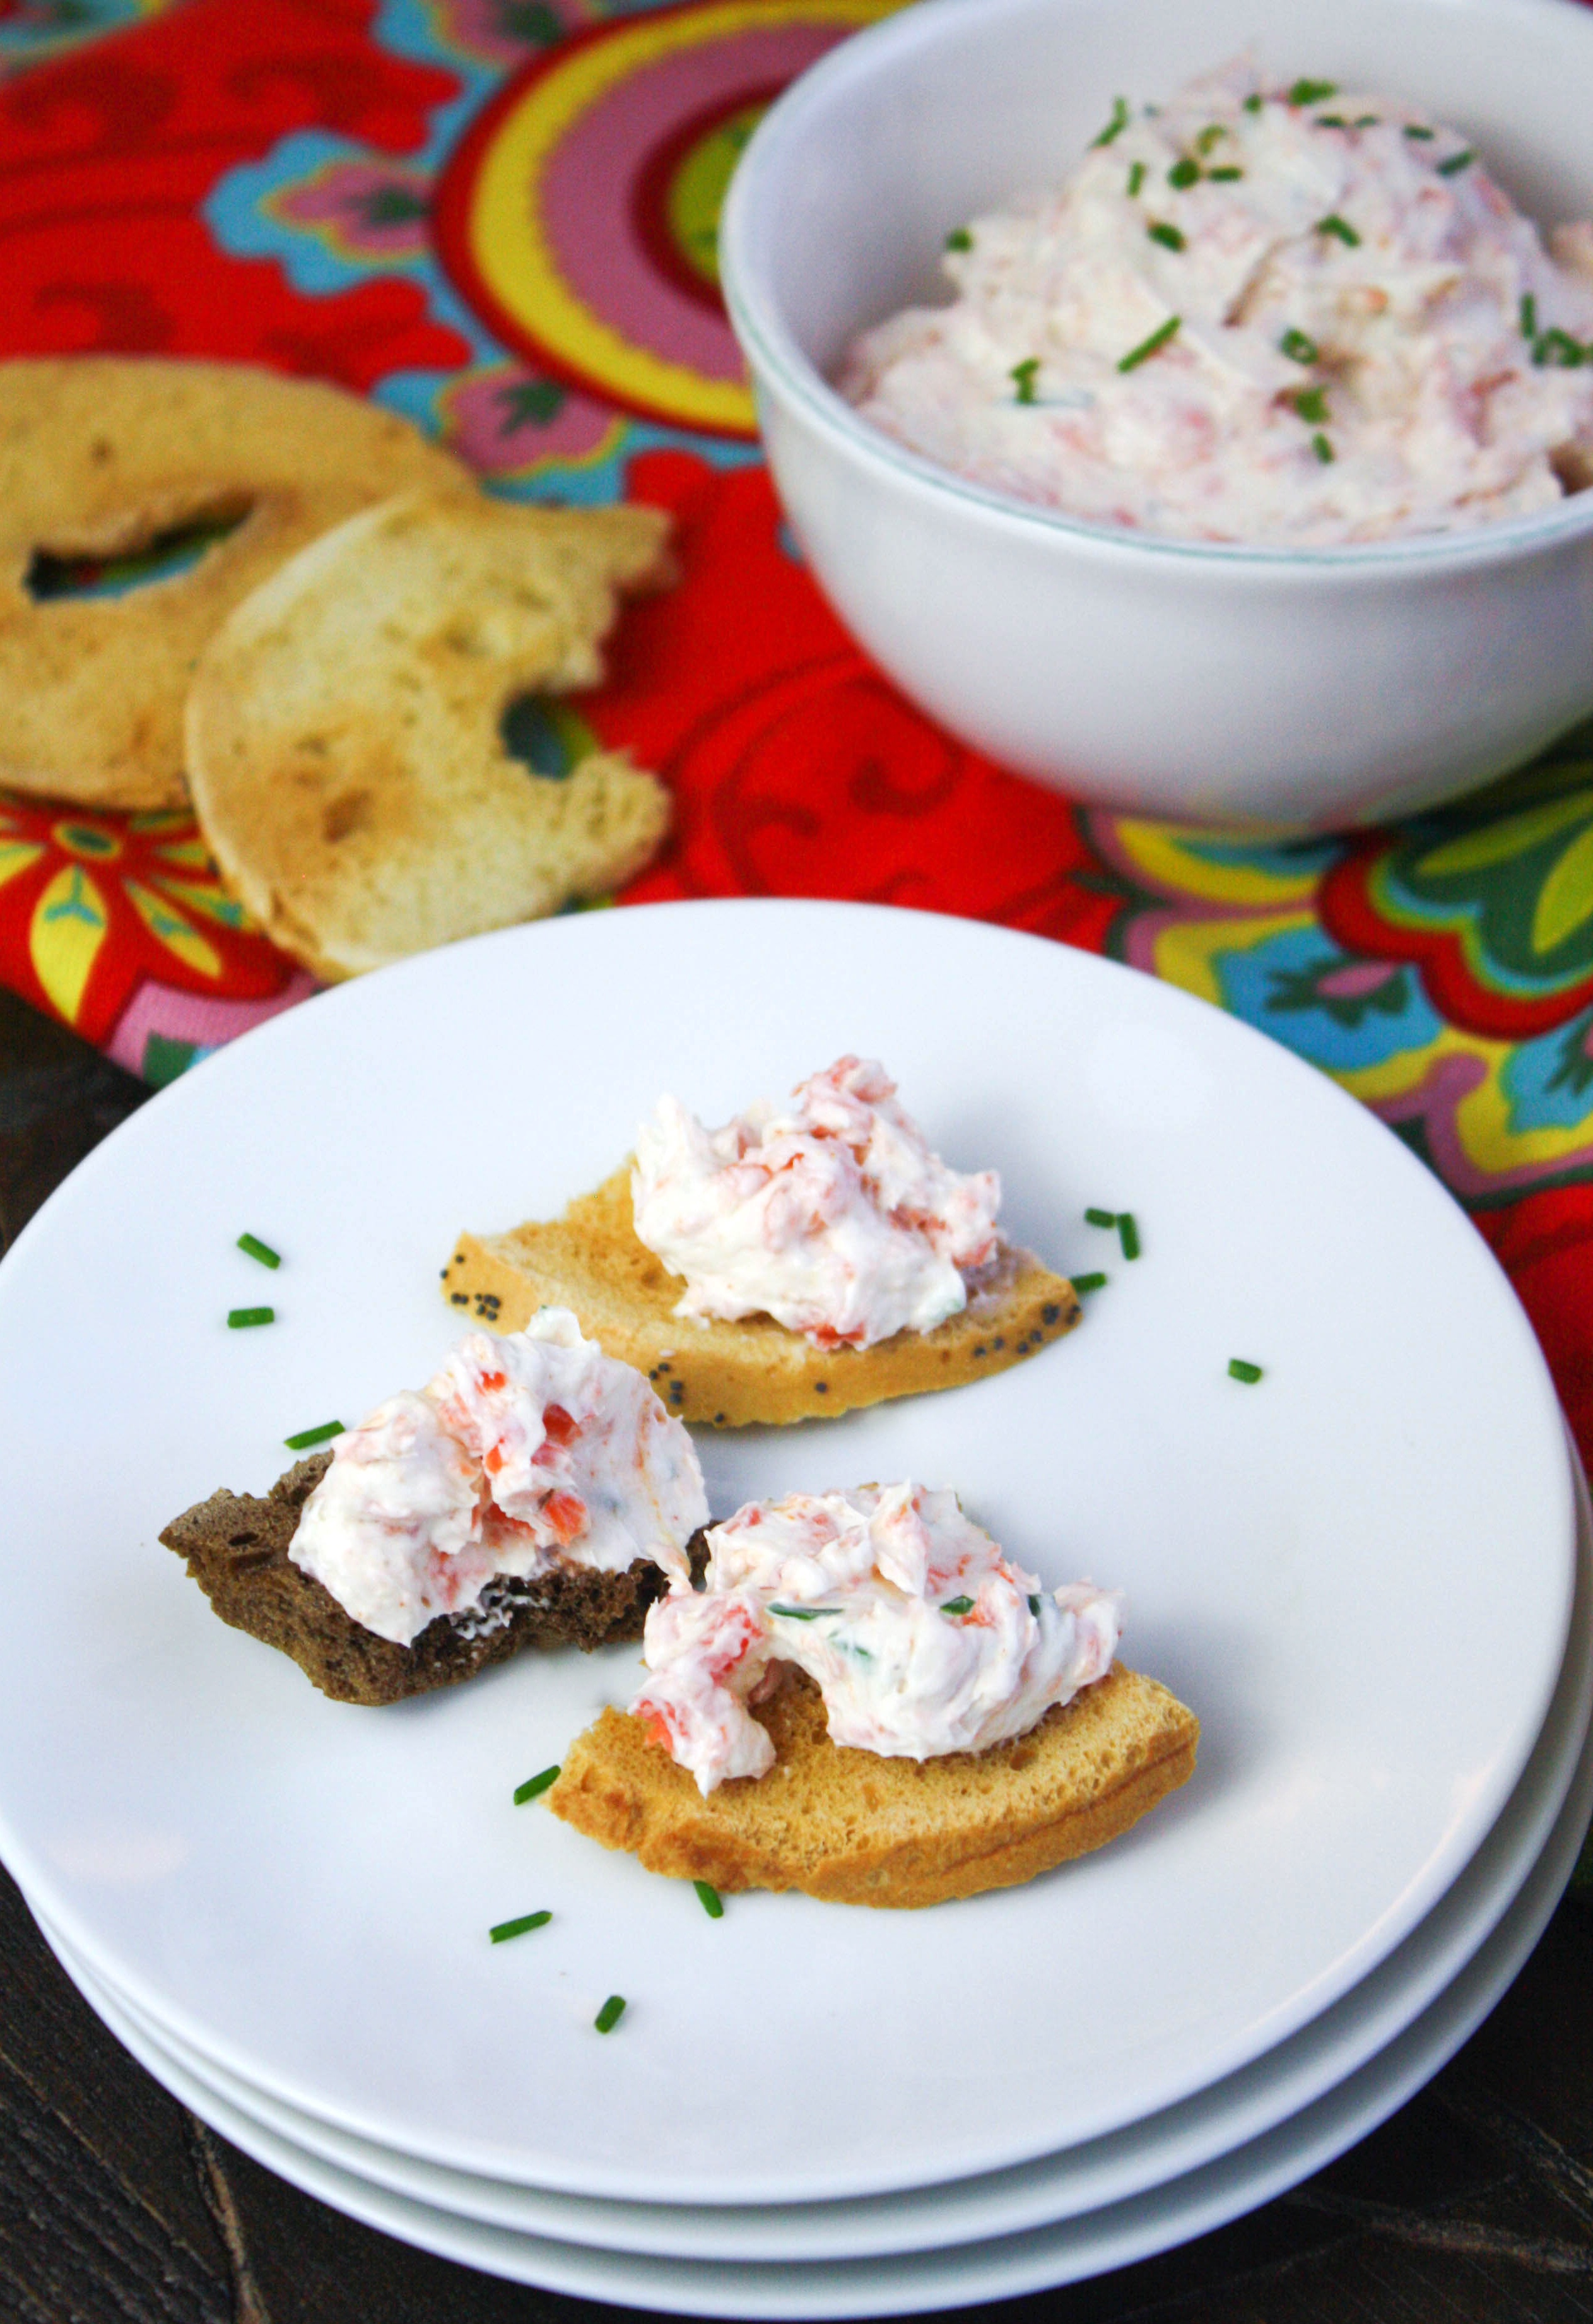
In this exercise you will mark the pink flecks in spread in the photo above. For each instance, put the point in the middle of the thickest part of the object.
(1298, 314)
(524, 1451)
(831, 1215)
(922, 1638)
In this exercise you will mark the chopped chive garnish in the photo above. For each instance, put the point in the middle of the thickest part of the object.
(1333, 224)
(1238, 1368)
(1135, 177)
(308, 1436)
(1324, 451)
(507, 1929)
(1312, 92)
(1529, 316)
(958, 1606)
(1208, 136)
(1118, 124)
(1167, 236)
(1455, 162)
(240, 1319)
(1254, 102)
(1225, 177)
(959, 238)
(1035, 1606)
(1088, 1282)
(708, 1899)
(1312, 402)
(262, 1252)
(1101, 1218)
(535, 1785)
(1426, 136)
(1129, 1234)
(803, 1613)
(1298, 347)
(1185, 171)
(1148, 347)
(1367, 120)
(1023, 376)
(1559, 347)
(1331, 121)
(610, 2015)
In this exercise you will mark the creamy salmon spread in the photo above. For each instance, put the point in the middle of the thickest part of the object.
(525, 1450)
(922, 1638)
(829, 1213)
(1296, 314)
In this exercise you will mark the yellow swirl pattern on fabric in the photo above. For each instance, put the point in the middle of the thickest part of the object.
(508, 237)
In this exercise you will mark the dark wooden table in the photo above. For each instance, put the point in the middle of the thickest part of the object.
(1473, 2205)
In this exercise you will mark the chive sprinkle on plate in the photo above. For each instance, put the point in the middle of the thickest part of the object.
(535, 1785)
(507, 1929)
(1097, 1218)
(1239, 1370)
(308, 1436)
(244, 1319)
(1088, 1282)
(1129, 1234)
(610, 2015)
(262, 1252)
(709, 1899)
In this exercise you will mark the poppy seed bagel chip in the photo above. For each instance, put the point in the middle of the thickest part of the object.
(752, 1371)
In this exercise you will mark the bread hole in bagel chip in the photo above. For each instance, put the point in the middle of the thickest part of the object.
(132, 551)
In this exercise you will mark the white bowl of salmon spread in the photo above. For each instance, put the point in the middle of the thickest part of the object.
(1193, 408)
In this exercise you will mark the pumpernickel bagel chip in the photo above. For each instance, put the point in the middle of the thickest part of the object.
(103, 456)
(346, 744)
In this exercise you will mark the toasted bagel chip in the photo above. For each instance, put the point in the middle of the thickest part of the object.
(345, 728)
(852, 1828)
(105, 457)
(752, 1371)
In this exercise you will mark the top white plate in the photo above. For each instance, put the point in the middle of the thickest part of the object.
(1358, 1572)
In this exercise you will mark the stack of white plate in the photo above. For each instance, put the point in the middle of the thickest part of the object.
(1366, 1572)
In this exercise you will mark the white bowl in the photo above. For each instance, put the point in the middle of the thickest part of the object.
(1320, 686)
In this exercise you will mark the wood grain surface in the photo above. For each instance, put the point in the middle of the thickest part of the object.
(1472, 2205)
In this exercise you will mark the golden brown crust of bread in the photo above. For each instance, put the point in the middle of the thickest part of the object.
(732, 1375)
(851, 1828)
(235, 1545)
(345, 728)
(101, 455)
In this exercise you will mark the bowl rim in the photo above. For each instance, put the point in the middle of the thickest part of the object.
(778, 362)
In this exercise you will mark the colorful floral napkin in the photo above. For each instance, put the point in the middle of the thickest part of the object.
(338, 189)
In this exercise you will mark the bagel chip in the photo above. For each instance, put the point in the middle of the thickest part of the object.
(346, 744)
(106, 456)
(851, 1828)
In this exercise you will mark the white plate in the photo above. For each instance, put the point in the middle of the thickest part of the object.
(1055, 2187)
(302, 1889)
(935, 2278)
